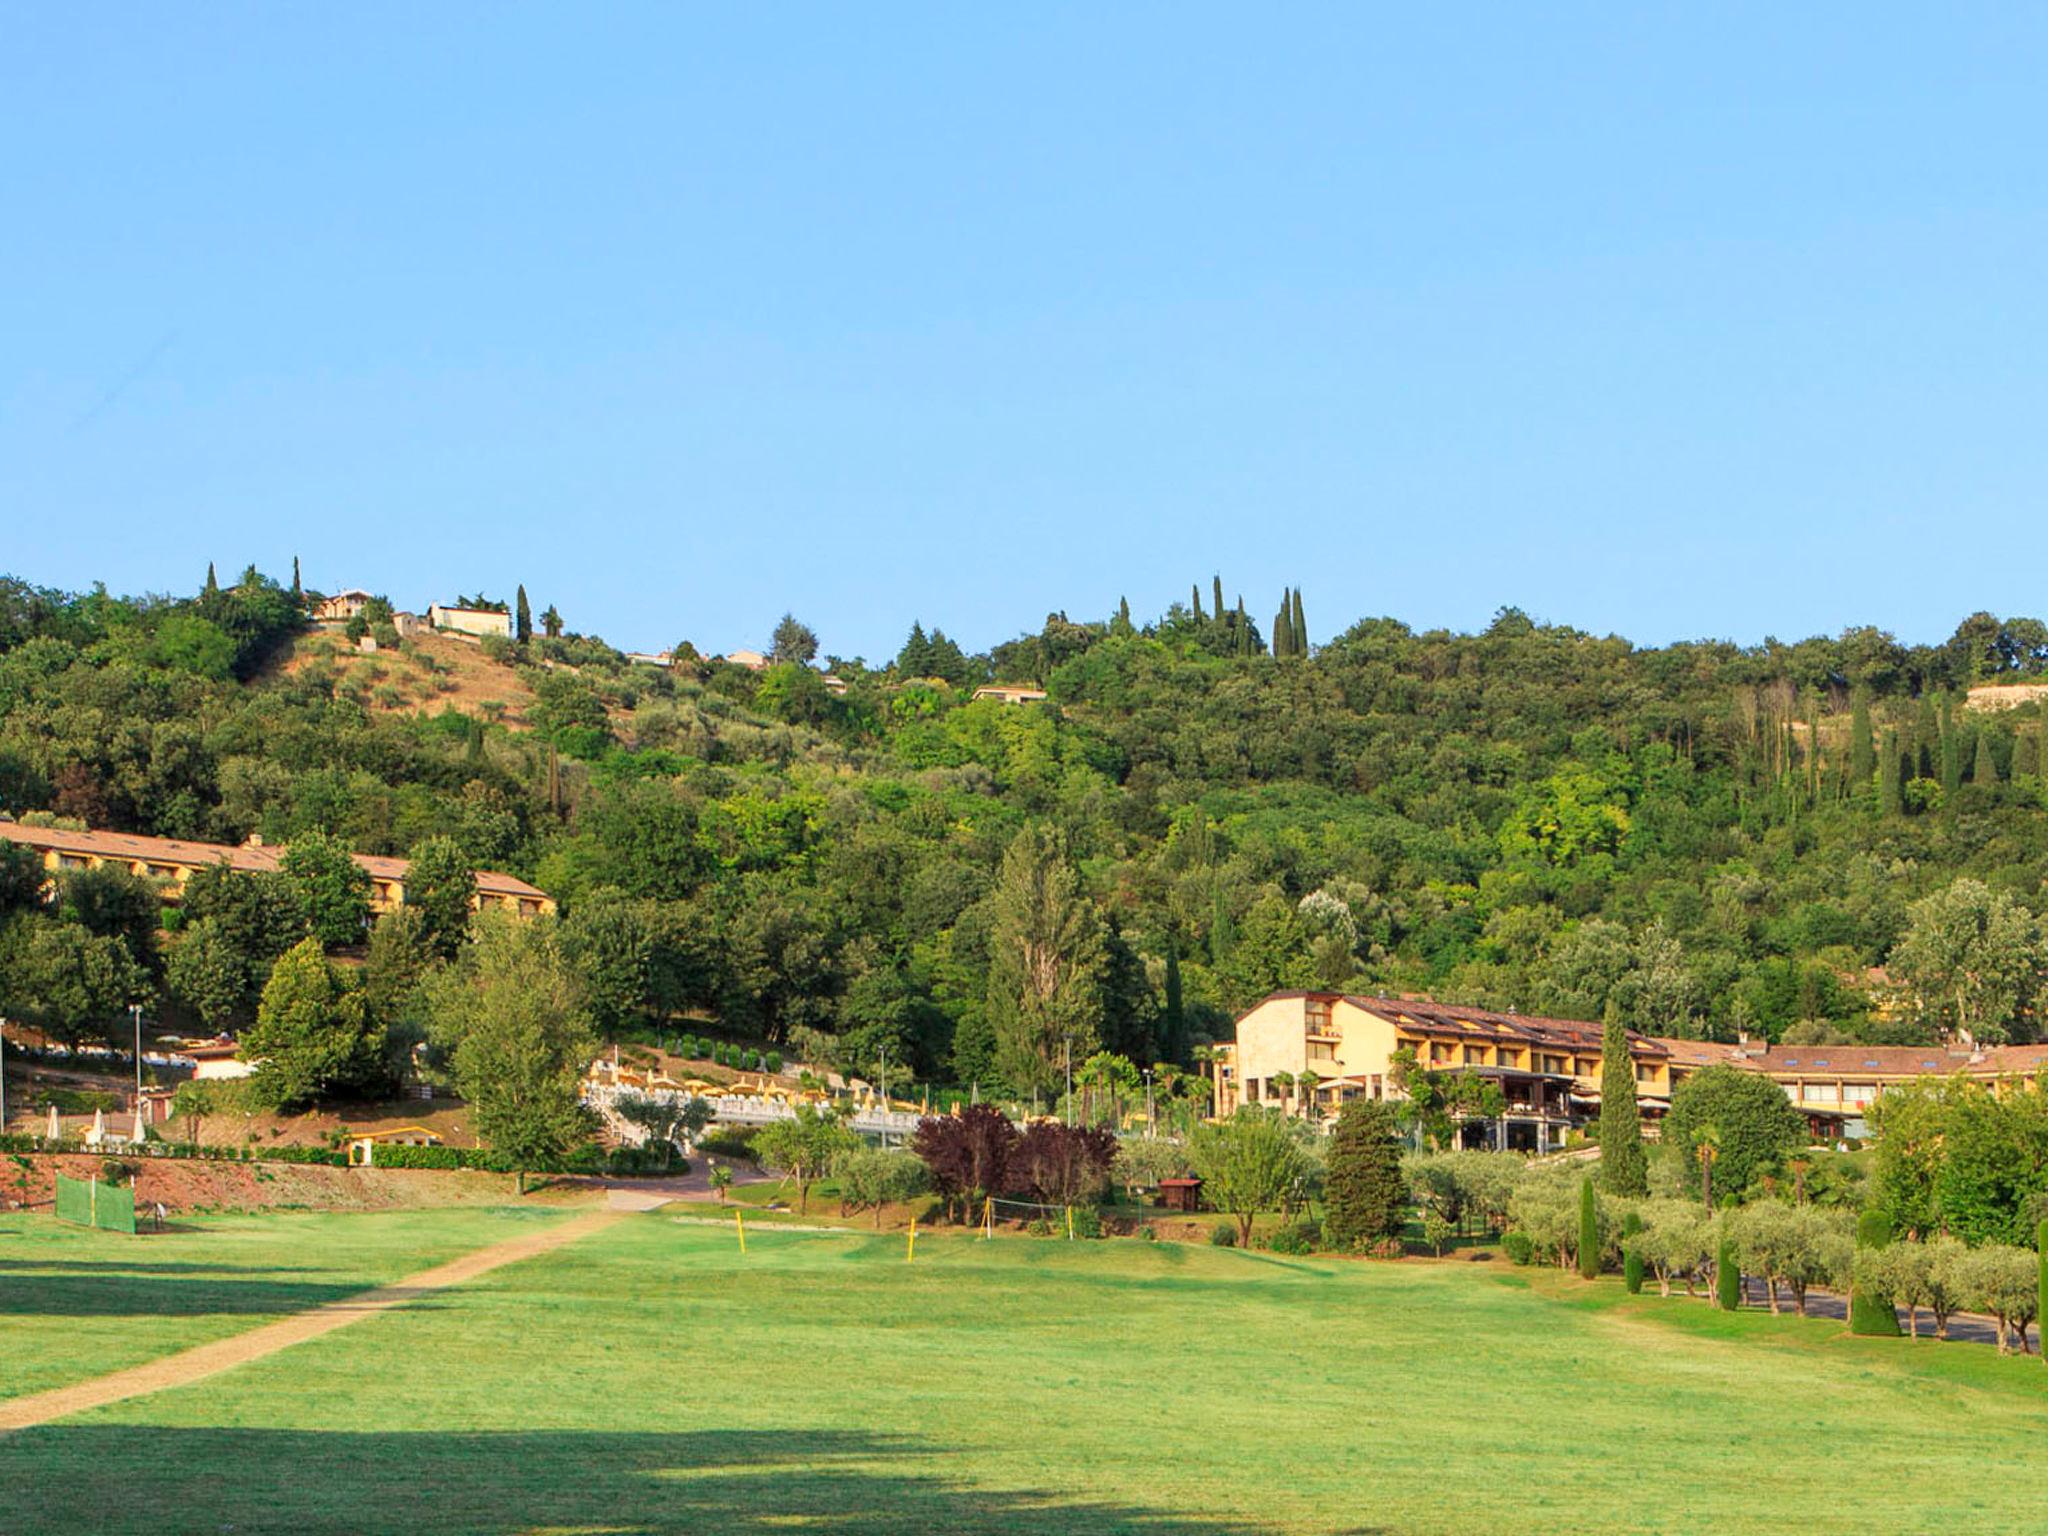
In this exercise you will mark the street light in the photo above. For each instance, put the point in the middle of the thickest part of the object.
(1151, 1120)
(136, 1009)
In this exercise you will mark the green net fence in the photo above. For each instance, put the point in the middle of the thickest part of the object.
(93, 1204)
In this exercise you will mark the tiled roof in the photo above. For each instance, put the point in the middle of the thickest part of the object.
(135, 848)
(1851, 1061)
(1425, 1017)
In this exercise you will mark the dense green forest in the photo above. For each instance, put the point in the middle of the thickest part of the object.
(1820, 838)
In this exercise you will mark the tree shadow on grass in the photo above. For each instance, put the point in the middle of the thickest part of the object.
(117, 1479)
(117, 1294)
(148, 1267)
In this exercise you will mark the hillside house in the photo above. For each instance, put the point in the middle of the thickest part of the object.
(471, 621)
(171, 861)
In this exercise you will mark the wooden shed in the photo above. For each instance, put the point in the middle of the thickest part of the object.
(1181, 1194)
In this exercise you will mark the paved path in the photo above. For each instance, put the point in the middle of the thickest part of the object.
(224, 1354)
(1963, 1327)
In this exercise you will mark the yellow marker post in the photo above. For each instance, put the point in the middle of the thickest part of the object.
(910, 1252)
(1070, 1223)
(741, 1222)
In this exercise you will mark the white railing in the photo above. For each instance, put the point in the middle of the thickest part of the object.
(735, 1109)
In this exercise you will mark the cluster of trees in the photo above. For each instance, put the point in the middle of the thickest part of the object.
(1698, 838)
(976, 1154)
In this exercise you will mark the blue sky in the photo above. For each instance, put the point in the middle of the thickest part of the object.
(1670, 321)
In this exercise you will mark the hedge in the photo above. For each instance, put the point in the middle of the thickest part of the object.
(1727, 1278)
(1631, 1261)
(1869, 1312)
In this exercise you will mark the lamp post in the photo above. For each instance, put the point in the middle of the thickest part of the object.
(885, 1097)
(1151, 1119)
(136, 1010)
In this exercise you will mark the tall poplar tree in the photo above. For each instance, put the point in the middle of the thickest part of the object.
(1045, 960)
(522, 618)
(1300, 626)
(1216, 595)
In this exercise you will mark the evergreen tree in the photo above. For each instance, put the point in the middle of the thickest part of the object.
(212, 587)
(551, 623)
(1299, 645)
(1631, 1257)
(1121, 624)
(1195, 600)
(1891, 778)
(1283, 627)
(1363, 1191)
(1951, 752)
(1216, 595)
(915, 659)
(1624, 1169)
(1871, 1312)
(947, 659)
(298, 591)
(1984, 769)
(1589, 1230)
(1173, 1018)
(1926, 744)
(522, 618)
(1727, 1277)
(1862, 750)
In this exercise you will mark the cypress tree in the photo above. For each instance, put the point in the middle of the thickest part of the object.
(1926, 741)
(1951, 752)
(1216, 593)
(1122, 625)
(1363, 1190)
(1862, 747)
(1891, 781)
(212, 587)
(1631, 1261)
(1589, 1230)
(1174, 1020)
(1195, 597)
(298, 591)
(1624, 1169)
(1984, 770)
(915, 659)
(1869, 1312)
(1283, 627)
(1300, 627)
(1727, 1278)
(522, 618)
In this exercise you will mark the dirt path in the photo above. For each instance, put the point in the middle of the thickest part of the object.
(224, 1354)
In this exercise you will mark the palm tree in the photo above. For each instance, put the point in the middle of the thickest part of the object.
(1284, 1081)
(1709, 1148)
(721, 1179)
(1307, 1083)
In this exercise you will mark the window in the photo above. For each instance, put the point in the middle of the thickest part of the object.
(1823, 1093)
(1475, 1055)
(1645, 1073)
(1318, 1015)
(1321, 1050)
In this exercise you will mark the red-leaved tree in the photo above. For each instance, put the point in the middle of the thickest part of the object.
(968, 1155)
(1062, 1164)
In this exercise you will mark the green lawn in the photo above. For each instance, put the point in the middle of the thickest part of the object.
(75, 1303)
(649, 1378)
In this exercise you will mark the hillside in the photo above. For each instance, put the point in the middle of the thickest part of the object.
(427, 673)
(1529, 817)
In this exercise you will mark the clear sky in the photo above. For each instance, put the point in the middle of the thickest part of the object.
(1678, 321)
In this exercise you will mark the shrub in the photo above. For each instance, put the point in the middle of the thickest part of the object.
(1223, 1235)
(1518, 1246)
(1631, 1255)
(1870, 1304)
(1295, 1238)
(773, 1062)
(1087, 1221)
(1727, 1277)
(749, 1061)
(734, 1141)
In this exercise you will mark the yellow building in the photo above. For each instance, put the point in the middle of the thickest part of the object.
(1311, 1051)
(171, 861)
(1308, 1052)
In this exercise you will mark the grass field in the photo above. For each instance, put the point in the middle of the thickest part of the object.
(649, 1378)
